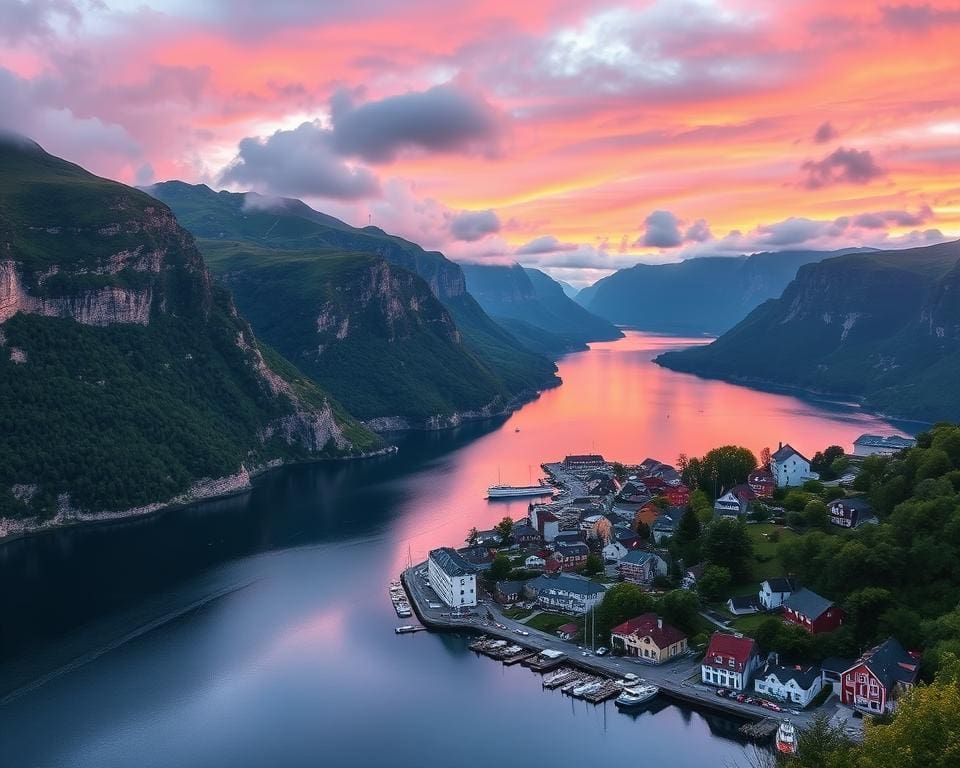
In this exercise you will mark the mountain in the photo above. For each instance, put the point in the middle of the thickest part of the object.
(881, 326)
(485, 369)
(127, 378)
(513, 293)
(568, 289)
(702, 295)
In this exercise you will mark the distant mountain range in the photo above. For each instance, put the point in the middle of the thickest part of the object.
(128, 380)
(527, 301)
(696, 296)
(881, 326)
(386, 326)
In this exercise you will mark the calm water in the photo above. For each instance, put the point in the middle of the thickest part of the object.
(256, 631)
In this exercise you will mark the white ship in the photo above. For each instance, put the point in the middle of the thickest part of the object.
(507, 491)
(634, 697)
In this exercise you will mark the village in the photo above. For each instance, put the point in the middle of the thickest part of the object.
(623, 581)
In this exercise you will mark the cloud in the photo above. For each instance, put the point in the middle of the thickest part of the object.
(824, 133)
(918, 18)
(20, 19)
(662, 230)
(442, 119)
(474, 225)
(851, 166)
(882, 219)
(544, 244)
(299, 162)
(698, 232)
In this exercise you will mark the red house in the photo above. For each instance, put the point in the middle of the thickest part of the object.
(571, 557)
(879, 678)
(761, 482)
(814, 613)
(677, 495)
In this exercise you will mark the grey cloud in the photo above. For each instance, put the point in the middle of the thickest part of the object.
(441, 119)
(474, 225)
(881, 219)
(545, 244)
(918, 17)
(698, 232)
(21, 19)
(662, 230)
(851, 166)
(299, 162)
(826, 132)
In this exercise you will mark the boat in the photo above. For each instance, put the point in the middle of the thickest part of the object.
(634, 697)
(787, 738)
(587, 687)
(407, 629)
(568, 687)
(508, 491)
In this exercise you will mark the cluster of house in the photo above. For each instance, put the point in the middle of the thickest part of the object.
(872, 683)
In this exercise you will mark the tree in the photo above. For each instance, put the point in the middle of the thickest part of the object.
(816, 515)
(686, 541)
(643, 530)
(604, 531)
(621, 602)
(864, 608)
(765, 458)
(504, 528)
(619, 471)
(473, 536)
(500, 567)
(822, 462)
(714, 582)
(680, 608)
(727, 543)
(593, 565)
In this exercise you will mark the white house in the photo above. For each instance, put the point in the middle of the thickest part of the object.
(452, 577)
(534, 561)
(773, 592)
(730, 661)
(546, 523)
(796, 685)
(568, 594)
(789, 466)
(614, 551)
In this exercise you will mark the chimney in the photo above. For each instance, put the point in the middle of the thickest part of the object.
(659, 623)
(781, 445)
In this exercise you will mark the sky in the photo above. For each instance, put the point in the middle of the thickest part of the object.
(578, 137)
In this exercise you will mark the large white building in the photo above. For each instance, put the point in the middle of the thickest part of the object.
(789, 466)
(797, 685)
(884, 445)
(452, 577)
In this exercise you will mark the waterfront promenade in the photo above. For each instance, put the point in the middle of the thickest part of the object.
(676, 679)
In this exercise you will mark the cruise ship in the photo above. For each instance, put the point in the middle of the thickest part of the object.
(506, 491)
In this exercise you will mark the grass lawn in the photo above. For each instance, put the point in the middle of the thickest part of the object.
(748, 624)
(517, 613)
(548, 622)
(766, 562)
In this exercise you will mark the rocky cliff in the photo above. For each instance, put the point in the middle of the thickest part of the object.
(129, 379)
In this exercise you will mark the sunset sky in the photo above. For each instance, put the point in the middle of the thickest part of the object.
(575, 136)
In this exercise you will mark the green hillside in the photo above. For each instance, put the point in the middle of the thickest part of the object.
(125, 376)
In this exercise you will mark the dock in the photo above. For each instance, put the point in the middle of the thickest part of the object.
(759, 731)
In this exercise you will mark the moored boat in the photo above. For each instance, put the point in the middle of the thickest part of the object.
(508, 491)
(634, 697)
(787, 738)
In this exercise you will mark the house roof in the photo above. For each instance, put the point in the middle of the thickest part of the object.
(566, 584)
(890, 663)
(743, 491)
(637, 557)
(572, 550)
(510, 587)
(650, 625)
(743, 602)
(697, 570)
(804, 677)
(785, 452)
(761, 476)
(836, 664)
(568, 629)
(522, 529)
(808, 603)
(624, 534)
(451, 562)
(778, 584)
(856, 503)
(571, 537)
(665, 523)
(740, 649)
(894, 442)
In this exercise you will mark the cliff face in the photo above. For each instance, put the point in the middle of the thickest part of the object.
(882, 326)
(129, 378)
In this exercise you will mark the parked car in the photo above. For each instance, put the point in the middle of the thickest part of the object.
(771, 706)
(723, 692)
(602, 650)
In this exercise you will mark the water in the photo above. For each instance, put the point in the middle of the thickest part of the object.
(256, 630)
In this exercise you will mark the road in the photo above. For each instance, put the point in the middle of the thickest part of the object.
(673, 678)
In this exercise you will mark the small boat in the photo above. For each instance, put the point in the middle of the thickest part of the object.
(406, 629)
(634, 697)
(517, 429)
(787, 738)
(507, 491)
(585, 688)
(568, 687)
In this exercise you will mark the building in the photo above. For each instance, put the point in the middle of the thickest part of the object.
(534, 561)
(773, 592)
(568, 631)
(665, 526)
(814, 613)
(584, 461)
(676, 495)
(507, 592)
(452, 577)
(479, 556)
(628, 538)
(877, 679)
(789, 466)
(797, 685)
(832, 669)
(872, 445)
(639, 567)
(730, 661)
(545, 522)
(851, 513)
(761, 482)
(565, 593)
(613, 551)
(489, 538)
(743, 605)
(692, 575)
(525, 535)
(648, 638)
(735, 502)
(571, 557)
